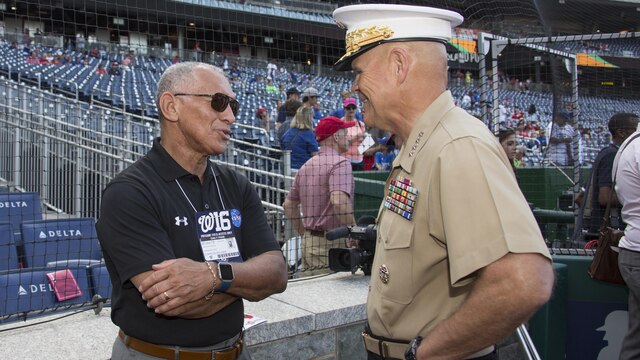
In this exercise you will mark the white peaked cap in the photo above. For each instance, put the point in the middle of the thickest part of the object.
(370, 25)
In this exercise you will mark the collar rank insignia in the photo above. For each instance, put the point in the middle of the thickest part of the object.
(401, 197)
(383, 273)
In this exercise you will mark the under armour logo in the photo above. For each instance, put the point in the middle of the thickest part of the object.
(181, 221)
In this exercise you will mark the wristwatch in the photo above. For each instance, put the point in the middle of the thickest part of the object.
(412, 350)
(225, 271)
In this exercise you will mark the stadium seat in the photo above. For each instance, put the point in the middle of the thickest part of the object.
(17, 207)
(99, 280)
(50, 241)
(29, 290)
(8, 250)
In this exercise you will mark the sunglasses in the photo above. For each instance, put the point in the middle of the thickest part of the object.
(219, 102)
(351, 107)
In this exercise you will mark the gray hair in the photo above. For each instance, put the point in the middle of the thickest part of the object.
(179, 74)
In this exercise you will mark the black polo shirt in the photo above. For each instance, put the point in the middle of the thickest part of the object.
(145, 218)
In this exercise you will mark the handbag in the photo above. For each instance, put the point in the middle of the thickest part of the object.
(604, 266)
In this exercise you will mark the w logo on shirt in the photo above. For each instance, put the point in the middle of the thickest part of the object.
(181, 221)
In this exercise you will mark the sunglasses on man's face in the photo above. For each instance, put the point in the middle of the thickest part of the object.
(350, 107)
(219, 102)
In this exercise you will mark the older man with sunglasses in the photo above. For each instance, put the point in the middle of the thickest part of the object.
(184, 239)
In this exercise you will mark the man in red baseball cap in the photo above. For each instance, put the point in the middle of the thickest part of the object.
(323, 189)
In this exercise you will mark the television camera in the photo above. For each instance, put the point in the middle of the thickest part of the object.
(360, 257)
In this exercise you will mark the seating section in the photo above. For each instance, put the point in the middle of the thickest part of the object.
(99, 280)
(29, 290)
(50, 241)
(16, 207)
(8, 249)
(134, 90)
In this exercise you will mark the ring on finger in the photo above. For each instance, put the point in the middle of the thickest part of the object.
(166, 296)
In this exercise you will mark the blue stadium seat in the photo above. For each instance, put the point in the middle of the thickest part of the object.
(29, 290)
(17, 207)
(48, 241)
(8, 250)
(99, 280)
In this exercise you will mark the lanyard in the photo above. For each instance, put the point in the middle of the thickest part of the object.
(217, 187)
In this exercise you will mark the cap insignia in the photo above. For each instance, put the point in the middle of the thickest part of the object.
(358, 38)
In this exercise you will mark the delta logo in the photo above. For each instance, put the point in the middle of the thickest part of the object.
(13, 204)
(66, 233)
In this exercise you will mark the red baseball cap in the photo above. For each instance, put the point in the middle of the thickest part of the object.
(260, 111)
(329, 126)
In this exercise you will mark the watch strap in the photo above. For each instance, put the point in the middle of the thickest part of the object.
(225, 284)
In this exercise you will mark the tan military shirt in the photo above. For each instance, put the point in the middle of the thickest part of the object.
(452, 206)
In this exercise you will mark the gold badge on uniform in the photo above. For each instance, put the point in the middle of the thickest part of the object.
(401, 197)
(383, 272)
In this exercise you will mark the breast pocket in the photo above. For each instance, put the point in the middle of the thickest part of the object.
(395, 262)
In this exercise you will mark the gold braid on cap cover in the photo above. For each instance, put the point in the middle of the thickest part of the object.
(358, 38)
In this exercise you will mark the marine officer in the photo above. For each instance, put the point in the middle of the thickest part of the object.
(460, 262)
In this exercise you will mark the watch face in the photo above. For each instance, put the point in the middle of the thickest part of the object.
(226, 271)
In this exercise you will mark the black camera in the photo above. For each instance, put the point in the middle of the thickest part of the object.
(355, 258)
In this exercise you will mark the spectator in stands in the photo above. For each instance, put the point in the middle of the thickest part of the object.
(466, 101)
(542, 138)
(380, 138)
(282, 94)
(323, 191)
(127, 61)
(356, 134)
(265, 120)
(300, 138)
(100, 70)
(176, 59)
(270, 88)
(507, 139)
(164, 267)
(114, 70)
(292, 93)
(517, 115)
(339, 111)
(33, 59)
(197, 51)
(80, 42)
(310, 99)
(446, 147)
(627, 175)
(503, 111)
(621, 126)
(384, 158)
(561, 135)
(532, 114)
(271, 70)
(291, 107)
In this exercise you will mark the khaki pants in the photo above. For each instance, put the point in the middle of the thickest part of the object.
(315, 253)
